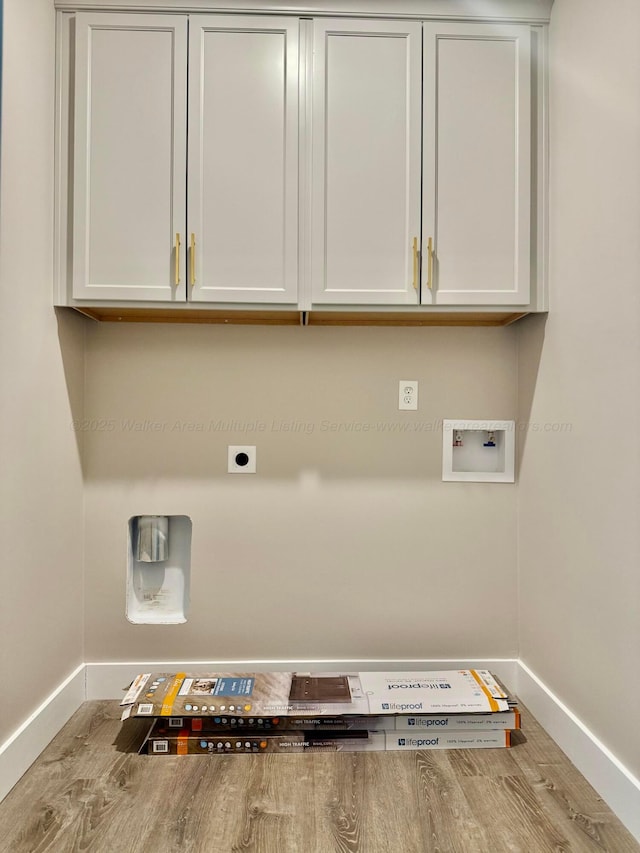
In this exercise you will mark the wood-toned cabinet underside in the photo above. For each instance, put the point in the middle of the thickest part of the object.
(217, 168)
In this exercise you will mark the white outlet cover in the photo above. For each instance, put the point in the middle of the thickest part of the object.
(408, 395)
(241, 459)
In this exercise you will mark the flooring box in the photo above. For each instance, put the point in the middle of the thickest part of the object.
(162, 740)
(434, 722)
(323, 694)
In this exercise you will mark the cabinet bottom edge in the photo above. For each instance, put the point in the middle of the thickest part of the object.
(298, 318)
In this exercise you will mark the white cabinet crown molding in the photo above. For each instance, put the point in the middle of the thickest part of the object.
(517, 11)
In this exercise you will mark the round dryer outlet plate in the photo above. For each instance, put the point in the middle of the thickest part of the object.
(241, 459)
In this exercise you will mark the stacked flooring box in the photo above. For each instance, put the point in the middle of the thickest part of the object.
(239, 713)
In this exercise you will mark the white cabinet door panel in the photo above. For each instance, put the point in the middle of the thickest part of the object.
(243, 158)
(365, 161)
(129, 156)
(477, 182)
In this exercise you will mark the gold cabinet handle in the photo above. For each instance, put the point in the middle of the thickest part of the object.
(177, 275)
(430, 263)
(192, 260)
(415, 263)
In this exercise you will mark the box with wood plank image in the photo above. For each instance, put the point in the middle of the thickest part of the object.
(250, 696)
(162, 740)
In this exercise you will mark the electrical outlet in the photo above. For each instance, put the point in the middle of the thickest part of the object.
(241, 460)
(408, 394)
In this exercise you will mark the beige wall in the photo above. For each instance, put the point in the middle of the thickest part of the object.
(579, 491)
(41, 372)
(346, 544)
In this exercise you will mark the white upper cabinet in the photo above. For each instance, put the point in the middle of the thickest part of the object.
(243, 159)
(307, 164)
(477, 164)
(129, 157)
(134, 237)
(365, 208)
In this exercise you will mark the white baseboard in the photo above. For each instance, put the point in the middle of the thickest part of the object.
(617, 786)
(19, 751)
(110, 680)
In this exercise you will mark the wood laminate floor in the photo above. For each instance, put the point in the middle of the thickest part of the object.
(90, 791)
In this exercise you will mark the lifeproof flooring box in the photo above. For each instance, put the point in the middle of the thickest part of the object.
(232, 724)
(292, 694)
(162, 740)
(246, 713)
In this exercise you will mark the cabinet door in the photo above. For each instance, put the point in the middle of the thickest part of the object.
(477, 182)
(129, 157)
(365, 161)
(243, 159)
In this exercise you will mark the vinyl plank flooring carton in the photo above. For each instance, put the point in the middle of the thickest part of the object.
(162, 740)
(252, 696)
(434, 722)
